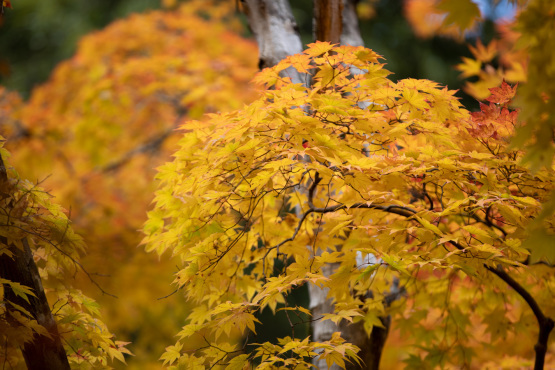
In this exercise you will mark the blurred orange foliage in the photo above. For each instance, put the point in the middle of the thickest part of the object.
(95, 132)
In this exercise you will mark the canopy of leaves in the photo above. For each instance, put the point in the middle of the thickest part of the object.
(520, 52)
(258, 200)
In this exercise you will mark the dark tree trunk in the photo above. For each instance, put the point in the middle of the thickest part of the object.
(42, 353)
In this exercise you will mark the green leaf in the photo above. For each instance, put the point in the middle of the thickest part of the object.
(368, 271)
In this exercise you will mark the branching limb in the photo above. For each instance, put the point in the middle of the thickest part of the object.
(428, 196)
(545, 323)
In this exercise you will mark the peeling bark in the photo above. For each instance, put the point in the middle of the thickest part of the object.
(350, 34)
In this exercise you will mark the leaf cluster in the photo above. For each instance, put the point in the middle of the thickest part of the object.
(353, 166)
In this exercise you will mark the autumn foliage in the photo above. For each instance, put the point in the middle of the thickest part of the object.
(29, 219)
(518, 53)
(103, 120)
(353, 169)
(95, 132)
(441, 219)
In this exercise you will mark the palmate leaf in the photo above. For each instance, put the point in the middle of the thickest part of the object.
(172, 354)
(238, 362)
(18, 289)
(46, 231)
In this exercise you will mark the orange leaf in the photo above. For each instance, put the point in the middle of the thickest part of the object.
(503, 94)
(318, 48)
(484, 53)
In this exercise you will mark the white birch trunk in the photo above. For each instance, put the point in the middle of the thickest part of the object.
(276, 33)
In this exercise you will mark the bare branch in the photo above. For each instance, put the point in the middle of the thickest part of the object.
(149, 146)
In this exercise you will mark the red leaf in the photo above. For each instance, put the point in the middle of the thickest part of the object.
(503, 94)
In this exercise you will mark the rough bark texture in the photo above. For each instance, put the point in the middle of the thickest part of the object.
(276, 33)
(42, 353)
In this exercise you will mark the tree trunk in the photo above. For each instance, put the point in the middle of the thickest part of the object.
(276, 32)
(42, 353)
(328, 20)
(371, 346)
(350, 34)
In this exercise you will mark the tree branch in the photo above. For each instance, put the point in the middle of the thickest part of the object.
(144, 148)
(546, 324)
(350, 34)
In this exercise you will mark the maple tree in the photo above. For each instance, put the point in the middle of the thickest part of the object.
(519, 52)
(396, 170)
(94, 133)
(389, 197)
(429, 197)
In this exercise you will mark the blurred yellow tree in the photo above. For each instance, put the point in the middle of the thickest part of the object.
(95, 132)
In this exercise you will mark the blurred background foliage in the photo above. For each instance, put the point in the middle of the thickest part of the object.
(37, 35)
